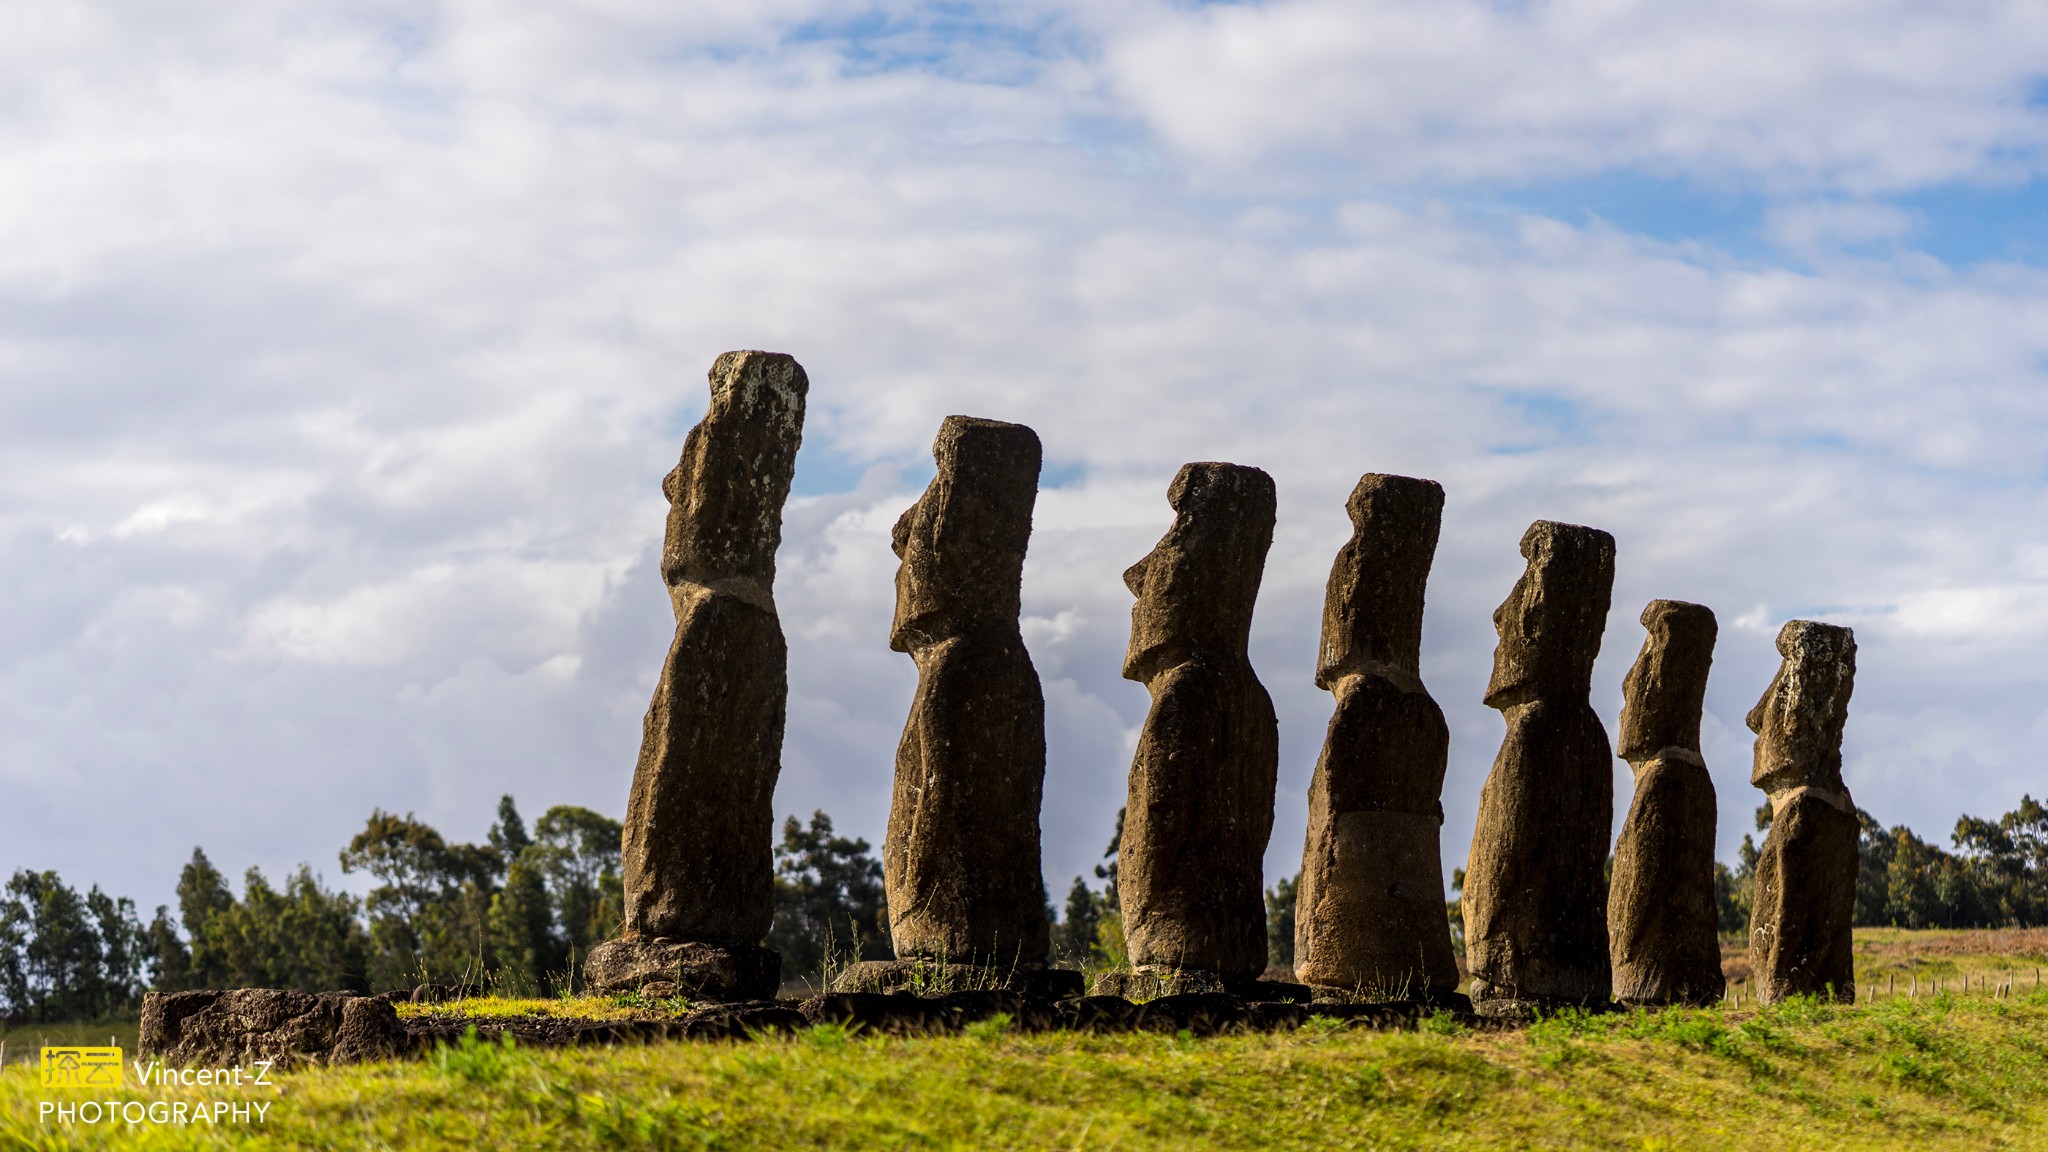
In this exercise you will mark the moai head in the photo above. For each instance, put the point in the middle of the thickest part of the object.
(1666, 688)
(962, 544)
(1196, 587)
(1550, 624)
(1372, 610)
(1798, 723)
(726, 495)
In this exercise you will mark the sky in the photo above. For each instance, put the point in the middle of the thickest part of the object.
(343, 348)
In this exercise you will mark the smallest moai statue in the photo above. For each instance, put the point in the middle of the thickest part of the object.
(1370, 910)
(1661, 914)
(1800, 942)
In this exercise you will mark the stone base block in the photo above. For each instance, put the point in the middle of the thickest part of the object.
(287, 1027)
(683, 968)
(1524, 1009)
(1151, 982)
(936, 978)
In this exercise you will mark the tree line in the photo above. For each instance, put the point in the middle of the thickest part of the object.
(1996, 877)
(514, 914)
(517, 912)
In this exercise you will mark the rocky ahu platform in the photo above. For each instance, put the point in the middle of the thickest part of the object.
(300, 1028)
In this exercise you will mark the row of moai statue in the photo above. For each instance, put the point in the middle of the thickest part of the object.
(1544, 926)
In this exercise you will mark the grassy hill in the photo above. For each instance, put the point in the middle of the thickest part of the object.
(1941, 1071)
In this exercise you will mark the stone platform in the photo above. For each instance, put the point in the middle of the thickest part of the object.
(300, 1028)
(683, 968)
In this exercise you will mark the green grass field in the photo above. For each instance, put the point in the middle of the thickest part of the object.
(1964, 1071)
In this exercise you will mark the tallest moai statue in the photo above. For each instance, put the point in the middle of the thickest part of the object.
(698, 860)
(1535, 902)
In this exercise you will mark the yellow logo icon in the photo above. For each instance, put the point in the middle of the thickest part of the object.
(81, 1067)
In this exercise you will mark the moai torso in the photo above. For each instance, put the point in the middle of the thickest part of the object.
(1535, 899)
(1200, 806)
(1661, 913)
(962, 854)
(1369, 914)
(1800, 940)
(699, 822)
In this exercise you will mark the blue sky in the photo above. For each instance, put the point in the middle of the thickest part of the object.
(344, 348)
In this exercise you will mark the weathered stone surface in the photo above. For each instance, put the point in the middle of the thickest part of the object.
(288, 1027)
(724, 1021)
(698, 860)
(684, 968)
(1200, 806)
(1661, 916)
(1535, 899)
(931, 977)
(961, 858)
(1202, 1013)
(1097, 1014)
(1152, 982)
(1370, 908)
(1799, 930)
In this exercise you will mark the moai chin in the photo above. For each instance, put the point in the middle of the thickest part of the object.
(1369, 917)
(1662, 920)
(1535, 899)
(961, 859)
(1799, 928)
(698, 858)
(1200, 806)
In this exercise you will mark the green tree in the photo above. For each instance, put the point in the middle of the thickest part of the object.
(303, 937)
(63, 956)
(2009, 858)
(1111, 899)
(526, 949)
(828, 897)
(430, 916)
(203, 894)
(1874, 847)
(1454, 911)
(1074, 938)
(577, 851)
(166, 954)
(1732, 894)
(123, 956)
(1280, 923)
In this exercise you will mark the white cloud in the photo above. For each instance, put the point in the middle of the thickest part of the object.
(1862, 95)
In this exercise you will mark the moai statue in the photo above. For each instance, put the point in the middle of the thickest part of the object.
(961, 860)
(1535, 897)
(1799, 938)
(1661, 915)
(1369, 915)
(698, 861)
(1200, 805)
